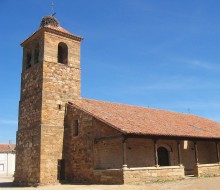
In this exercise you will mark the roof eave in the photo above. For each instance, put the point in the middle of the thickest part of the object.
(172, 137)
(46, 29)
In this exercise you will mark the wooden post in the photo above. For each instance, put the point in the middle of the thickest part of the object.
(196, 153)
(217, 151)
(179, 153)
(155, 153)
(124, 148)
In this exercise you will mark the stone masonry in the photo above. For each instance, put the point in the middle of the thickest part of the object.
(46, 86)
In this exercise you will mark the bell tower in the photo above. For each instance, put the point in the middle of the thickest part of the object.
(50, 78)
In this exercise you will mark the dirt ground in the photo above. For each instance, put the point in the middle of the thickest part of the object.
(190, 183)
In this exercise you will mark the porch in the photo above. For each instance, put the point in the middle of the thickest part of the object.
(143, 159)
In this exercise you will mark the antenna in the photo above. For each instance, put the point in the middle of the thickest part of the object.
(189, 110)
(52, 5)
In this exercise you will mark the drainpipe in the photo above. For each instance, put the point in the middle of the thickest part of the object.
(7, 163)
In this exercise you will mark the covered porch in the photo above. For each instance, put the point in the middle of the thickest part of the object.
(131, 159)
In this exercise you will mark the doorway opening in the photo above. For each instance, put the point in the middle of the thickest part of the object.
(163, 156)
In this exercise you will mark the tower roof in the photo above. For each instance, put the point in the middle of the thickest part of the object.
(52, 25)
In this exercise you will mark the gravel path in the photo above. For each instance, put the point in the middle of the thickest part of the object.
(212, 183)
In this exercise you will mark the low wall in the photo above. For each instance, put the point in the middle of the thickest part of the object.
(108, 176)
(149, 174)
(202, 170)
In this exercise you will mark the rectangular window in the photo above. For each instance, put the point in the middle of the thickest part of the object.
(185, 145)
(75, 128)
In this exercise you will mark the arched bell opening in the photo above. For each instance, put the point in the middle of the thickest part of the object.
(62, 53)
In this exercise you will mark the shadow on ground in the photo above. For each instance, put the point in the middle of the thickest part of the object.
(7, 184)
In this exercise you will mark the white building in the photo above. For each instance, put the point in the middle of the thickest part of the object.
(7, 159)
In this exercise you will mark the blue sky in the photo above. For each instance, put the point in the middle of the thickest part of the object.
(159, 54)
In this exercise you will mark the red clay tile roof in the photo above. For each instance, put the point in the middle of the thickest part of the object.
(58, 28)
(147, 121)
(4, 148)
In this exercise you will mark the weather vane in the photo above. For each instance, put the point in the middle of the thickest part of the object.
(53, 13)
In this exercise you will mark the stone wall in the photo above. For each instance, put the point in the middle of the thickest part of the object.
(31, 97)
(144, 175)
(80, 151)
(51, 152)
(108, 154)
(207, 170)
(27, 171)
(61, 83)
(28, 135)
(207, 152)
(108, 176)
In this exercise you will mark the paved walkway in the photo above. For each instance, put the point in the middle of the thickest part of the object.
(212, 183)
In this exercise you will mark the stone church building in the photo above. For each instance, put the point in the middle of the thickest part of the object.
(64, 137)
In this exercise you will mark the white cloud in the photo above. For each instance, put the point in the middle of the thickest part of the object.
(203, 64)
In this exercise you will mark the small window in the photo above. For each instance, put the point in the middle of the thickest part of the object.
(36, 54)
(59, 106)
(76, 128)
(28, 59)
(62, 53)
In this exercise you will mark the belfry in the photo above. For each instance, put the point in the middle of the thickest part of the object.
(50, 78)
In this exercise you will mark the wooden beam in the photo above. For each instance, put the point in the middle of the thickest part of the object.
(179, 153)
(171, 137)
(100, 139)
(217, 151)
(124, 152)
(155, 153)
(196, 153)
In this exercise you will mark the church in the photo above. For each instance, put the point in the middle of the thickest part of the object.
(63, 137)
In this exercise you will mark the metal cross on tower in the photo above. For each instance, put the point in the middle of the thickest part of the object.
(53, 13)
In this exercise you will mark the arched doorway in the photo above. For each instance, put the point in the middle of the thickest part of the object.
(163, 156)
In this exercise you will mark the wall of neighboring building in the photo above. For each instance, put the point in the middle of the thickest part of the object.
(7, 164)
